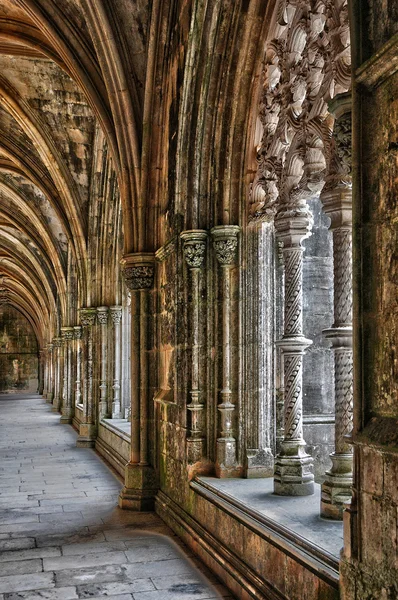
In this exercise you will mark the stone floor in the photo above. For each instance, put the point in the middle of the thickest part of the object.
(62, 536)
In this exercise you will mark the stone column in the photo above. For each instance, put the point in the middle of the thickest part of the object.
(77, 330)
(50, 373)
(293, 466)
(337, 202)
(195, 253)
(225, 240)
(45, 371)
(67, 404)
(116, 315)
(88, 428)
(58, 374)
(102, 313)
(42, 362)
(141, 485)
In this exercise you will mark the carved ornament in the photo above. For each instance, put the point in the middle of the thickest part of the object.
(194, 247)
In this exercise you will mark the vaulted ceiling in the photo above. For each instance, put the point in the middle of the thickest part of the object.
(60, 78)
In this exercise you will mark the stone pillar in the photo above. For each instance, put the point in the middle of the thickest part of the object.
(141, 485)
(42, 362)
(67, 403)
(45, 371)
(116, 316)
(337, 201)
(50, 373)
(88, 428)
(77, 330)
(225, 241)
(195, 253)
(293, 466)
(58, 374)
(102, 313)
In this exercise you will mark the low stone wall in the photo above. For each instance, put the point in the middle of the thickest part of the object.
(252, 558)
(113, 445)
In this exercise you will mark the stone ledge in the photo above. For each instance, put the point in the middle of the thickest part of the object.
(112, 457)
(312, 557)
(120, 427)
(226, 565)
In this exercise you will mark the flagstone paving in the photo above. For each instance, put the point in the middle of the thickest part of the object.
(62, 536)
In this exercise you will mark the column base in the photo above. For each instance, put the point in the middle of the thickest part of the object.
(226, 465)
(56, 405)
(67, 415)
(195, 449)
(293, 471)
(49, 397)
(140, 488)
(87, 435)
(336, 490)
(116, 412)
(103, 410)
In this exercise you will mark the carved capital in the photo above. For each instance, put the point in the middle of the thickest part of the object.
(67, 333)
(337, 204)
(225, 242)
(293, 223)
(87, 316)
(102, 313)
(78, 332)
(50, 347)
(57, 342)
(340, 163)
(116, 314)
(139, 271)
(194, 247)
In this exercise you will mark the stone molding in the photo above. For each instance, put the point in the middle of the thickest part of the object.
(67, 333)
(102, 314)
(87, 316)
(116, 314)
(77, 332)
(139, 271)
(194, 246)
(225, 243)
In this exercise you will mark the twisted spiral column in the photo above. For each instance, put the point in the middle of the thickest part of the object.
(293, 466)
(337, 203)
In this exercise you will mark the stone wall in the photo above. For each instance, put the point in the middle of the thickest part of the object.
(369, 566)
(18, 352)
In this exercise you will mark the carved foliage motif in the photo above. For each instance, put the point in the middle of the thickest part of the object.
(140, 277)
(116, 314)
(226, 250)
(87, 316)
(307, 62)
(103, 315)
(194, 254)
(340, 162)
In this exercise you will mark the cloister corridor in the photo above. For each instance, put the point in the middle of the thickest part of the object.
(62, 536)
